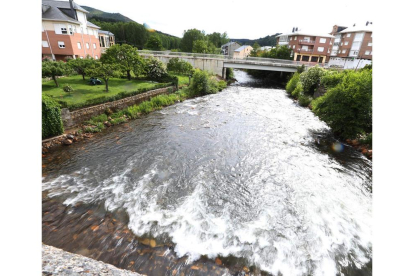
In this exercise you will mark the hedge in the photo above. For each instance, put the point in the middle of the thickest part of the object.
(52, 124)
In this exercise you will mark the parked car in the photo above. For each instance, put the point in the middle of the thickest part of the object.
(94, 81)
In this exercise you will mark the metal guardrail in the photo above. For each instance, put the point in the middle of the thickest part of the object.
(228, 58)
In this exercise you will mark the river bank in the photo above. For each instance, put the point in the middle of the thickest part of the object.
(239, 180)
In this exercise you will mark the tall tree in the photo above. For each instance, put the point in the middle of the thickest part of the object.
(154, 43)
(125, 56)
(188, 39)
(103, 71)
(80, 65)
(53, 69)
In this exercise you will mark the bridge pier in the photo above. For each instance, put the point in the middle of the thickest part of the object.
(223, 74)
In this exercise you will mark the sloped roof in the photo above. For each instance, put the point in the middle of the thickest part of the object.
(228, 44)
(53, 13)
(306, 33)
(89, 24)
(357, 28)
(63, 5)
(242, 48)
(105, 32)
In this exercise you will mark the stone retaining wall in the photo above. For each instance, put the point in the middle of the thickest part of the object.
(74, 118)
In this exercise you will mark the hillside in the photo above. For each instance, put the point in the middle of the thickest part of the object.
(105, 16)
(269, 40)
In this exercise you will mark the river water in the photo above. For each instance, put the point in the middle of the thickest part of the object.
(244, 173)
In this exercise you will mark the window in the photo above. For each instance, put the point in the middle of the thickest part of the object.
(342, 43)
(322, 40)
(81, 57)
(346, 42)
(94, 45)
(348, 35)
(295, 37)
(61, 44)
(96, 57)
(294, 46)
(44, 43)
(369, 43)
(321, 49)
(79, 45)
(306, 38)
(70, 30)
(366, 53)
(63, 30)
(290, 39)
(87, 45)
(343, 51)
(358, 36)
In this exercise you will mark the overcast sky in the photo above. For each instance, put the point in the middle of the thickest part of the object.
(240, 19)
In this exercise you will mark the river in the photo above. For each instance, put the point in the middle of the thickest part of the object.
(246, 174)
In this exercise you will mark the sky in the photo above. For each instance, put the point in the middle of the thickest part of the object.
(240, 19)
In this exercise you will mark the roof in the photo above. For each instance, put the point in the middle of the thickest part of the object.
(242, 48)
(357, 28)
(305, 33)
(89, 24)
(105, 32)
(53, 13)
(228, 44)
(63, 5)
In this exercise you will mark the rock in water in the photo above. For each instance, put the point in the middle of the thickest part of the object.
(67, 142)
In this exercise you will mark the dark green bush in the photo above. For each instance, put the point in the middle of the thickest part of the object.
(347, 108)
(332, 78)
(229, 73)
(179, 66)
(304, 100)
(52, 124)
(67, 88)
(291, 85)
(298, 90)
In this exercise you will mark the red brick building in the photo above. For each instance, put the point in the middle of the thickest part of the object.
(309, 47)
(66, 31)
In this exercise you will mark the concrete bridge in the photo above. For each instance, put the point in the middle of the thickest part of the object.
(218, 63)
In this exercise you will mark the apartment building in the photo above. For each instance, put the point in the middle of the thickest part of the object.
(228, 48)
(306, 46)
(66, 31)
(352, 47)
(106, 40)
(242, 52)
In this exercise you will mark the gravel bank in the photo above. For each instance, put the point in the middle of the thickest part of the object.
(58, 262)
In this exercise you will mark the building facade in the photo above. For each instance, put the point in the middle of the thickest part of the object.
(67, 33)
(242, 52)
(228, 48)
(352, 47)
(307, 47)
(106, 40)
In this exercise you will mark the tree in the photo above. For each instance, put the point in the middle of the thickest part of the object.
(279, 52)
(80, 65)
(188, 39)
(54, 69)
(154, 43)
(104, 71)
(200, 46)
(125, 56)
(179, 66)
(154, 68)
(255, 51)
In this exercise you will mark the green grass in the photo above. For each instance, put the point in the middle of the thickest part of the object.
(182, 80)
(84, 92)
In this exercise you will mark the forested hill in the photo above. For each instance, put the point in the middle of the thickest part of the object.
(127, 30)
(269, 40)
(105, 16)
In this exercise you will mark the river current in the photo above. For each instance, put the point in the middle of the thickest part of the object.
(246, 173)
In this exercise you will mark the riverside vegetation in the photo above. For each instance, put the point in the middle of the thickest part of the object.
(202, 83)
(346, 100)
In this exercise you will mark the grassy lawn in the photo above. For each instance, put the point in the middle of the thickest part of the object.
(83, 91)
(182, 80)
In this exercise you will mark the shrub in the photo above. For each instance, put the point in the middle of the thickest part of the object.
(98, 127)
(179, 66)
(301, 69)
(347, 107)
(229, 73)
(52, 124)
(298, 90)
(291, 85)
(154, 69)
(202, 83)
(67, 88)
(304, 100)
(98, 119)
(145, 107)
(332, 78)
(221, 85)
(366, 139)
(311, 78)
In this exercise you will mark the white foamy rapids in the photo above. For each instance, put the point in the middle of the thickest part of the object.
(302, 223)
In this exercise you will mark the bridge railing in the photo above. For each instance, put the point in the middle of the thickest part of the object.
(182, 54)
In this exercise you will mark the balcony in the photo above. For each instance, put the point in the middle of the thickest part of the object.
(336, 43)
(307, 42)
(307, 51)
